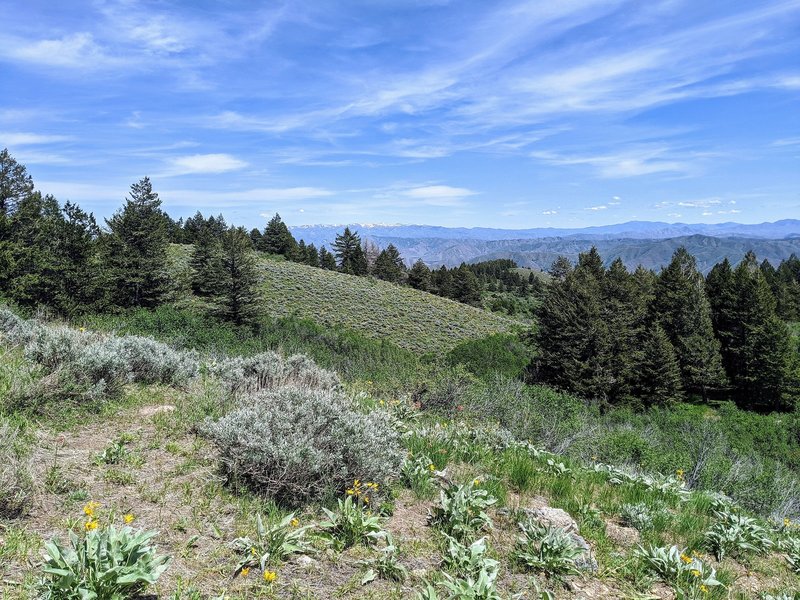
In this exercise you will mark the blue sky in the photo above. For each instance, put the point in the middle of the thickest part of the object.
(504, 114)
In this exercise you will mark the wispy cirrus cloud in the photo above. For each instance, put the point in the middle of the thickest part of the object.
(196, 164)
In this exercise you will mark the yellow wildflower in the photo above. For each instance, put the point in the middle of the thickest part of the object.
(90, 525)
(350, 492)
(366, 499)
(82, 329)
(704, 589)
(679, 473)
(294, 522)
(245, 571)
(128, 519)
(476, 482)
(685, 559)
(695, 572)
(90, 507)
(431, 468)
(270, 576)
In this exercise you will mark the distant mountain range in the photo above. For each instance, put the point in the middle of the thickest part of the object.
(636, 242)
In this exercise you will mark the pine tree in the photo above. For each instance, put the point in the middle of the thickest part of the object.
(419, 277)
(135, 250)
(77, 248)
(624, 314)
(682, 309)
(278, 239)
(722, 297)
(349, 253)
(389, 265)
(326, 260)
(235, 278)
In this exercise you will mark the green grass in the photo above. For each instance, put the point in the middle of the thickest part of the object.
(406, 317)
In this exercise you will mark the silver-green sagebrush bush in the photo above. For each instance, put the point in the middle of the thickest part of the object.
(16, 480)
(295, 444)
(268, 370)
(105, 564)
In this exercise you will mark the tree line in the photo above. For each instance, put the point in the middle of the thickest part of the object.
(652, 339)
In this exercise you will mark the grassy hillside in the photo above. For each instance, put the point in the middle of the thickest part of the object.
(406, 317)
(470, 508)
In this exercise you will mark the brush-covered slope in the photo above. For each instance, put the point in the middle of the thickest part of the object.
(406, 317)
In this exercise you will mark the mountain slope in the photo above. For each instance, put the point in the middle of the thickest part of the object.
(409, 318)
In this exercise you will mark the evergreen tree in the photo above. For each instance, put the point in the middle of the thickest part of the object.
(301, 252)
(560, 268)
(135, 250)
(278, 239)
(722, 296)
(235, 278)
(419, 277)
(572, 338)
(312, 256)
(682, 309)
(466, 287)
(761, 350)
(624, 314)
(442, 280)
(658, 380)
(15, 184)
(34, 275)
(257, 238)
(77, 248)
(205, 258)
(349, 253)
(326, 260)
(389, 265)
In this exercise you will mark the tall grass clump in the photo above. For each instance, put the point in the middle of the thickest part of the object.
(16, 480)
(297, 444)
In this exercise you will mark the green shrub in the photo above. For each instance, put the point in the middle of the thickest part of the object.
(16, 479)
(297, 444)
(737, 535)
(639, 516)
(688, 575)
(386, 566)
(350, 524)
(546, 549)
(467, 561)
(501, 354)
(461, 511)
(105, 564)
(273, 543)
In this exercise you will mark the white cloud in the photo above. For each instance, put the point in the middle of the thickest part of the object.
(549, 212)
(204, 164)
(600, 207)
(674, 215)
(76, 51)
(29, 139)
(702, 203)
(438, 191)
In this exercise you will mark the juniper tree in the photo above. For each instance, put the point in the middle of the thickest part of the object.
(466, 287)
(135, 250)
(235, 279)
